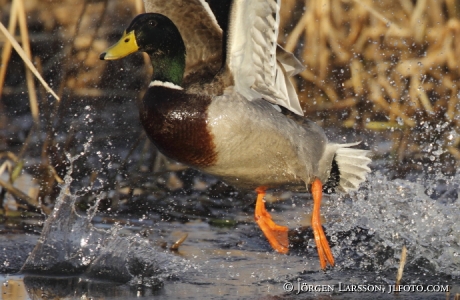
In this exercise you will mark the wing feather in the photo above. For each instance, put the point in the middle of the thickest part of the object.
(252, 54)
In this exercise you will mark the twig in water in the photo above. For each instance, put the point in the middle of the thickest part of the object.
(402, 262)
(179, 242)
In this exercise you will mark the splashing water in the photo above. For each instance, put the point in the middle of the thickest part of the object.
(394, 213)
(67, 239)
(368, 229)
(71, 245)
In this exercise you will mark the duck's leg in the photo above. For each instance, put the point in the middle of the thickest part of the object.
(324, 251)
(277, 235)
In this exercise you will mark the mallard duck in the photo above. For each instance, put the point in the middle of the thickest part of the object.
(242, 123)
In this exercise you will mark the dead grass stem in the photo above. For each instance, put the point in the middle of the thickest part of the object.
(381, 61)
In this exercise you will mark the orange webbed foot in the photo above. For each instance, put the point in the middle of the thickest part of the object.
(277, 235)
(324, 251)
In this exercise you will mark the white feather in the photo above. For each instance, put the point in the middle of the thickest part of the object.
(209, 12)
(352, 165)
(165, 84)
(252, 54)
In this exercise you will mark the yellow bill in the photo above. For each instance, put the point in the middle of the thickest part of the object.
(125, 46)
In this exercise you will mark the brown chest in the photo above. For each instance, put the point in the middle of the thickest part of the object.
(177, 124)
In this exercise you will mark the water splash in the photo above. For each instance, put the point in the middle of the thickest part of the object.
(71, 245)
(67, 239)
(387, 214)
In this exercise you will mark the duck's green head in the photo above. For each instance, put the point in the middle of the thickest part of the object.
(156, 35)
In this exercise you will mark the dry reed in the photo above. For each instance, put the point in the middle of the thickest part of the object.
(402, 263)
(387, 64)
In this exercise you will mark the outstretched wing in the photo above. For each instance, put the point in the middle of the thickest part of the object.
(199, 29)
(252, 54)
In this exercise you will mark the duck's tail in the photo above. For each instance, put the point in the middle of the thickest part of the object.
(352, 164)
(349, 167)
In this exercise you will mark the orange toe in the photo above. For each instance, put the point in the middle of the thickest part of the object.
(324, 251)
(276, 235)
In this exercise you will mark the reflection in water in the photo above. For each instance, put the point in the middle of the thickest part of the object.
(78, 288)
(13, 289)
(47, 288)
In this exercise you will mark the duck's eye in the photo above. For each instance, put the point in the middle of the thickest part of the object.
(126, 40)
(153, 23)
